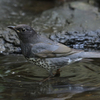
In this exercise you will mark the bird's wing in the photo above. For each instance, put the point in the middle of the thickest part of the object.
(50, 50)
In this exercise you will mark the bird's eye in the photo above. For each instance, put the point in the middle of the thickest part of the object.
(23, 29)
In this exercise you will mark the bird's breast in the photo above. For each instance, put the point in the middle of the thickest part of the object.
(40, 62)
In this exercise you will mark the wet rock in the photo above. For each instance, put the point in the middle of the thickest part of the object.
(10, 48)
(77, 27)
(11, 37)
(83, 6)
(88, 40)
(9, 42)
(63, 18)
(2, 48)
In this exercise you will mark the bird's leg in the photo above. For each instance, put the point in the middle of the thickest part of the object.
(45, 79)
(57, 74)
(50, 75)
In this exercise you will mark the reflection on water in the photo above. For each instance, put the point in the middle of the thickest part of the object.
(20, 80)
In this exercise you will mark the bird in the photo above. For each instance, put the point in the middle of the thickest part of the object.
(46, 53)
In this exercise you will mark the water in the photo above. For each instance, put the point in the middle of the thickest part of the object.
(21, 80)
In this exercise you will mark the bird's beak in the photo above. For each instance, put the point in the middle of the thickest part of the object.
(12, 27)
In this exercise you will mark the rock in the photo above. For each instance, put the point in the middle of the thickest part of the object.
(83, 17)
(2, 48)
(83, 6)
(76, 25)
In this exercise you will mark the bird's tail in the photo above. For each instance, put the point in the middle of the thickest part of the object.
(90, 55)
(85, 55)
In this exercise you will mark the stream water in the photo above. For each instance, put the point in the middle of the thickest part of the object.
(21, 80)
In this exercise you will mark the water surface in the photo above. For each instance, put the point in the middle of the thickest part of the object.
(21, 80)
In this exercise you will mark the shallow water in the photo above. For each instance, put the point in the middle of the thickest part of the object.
(20, 80)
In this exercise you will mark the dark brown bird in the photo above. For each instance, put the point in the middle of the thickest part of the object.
(46, 53)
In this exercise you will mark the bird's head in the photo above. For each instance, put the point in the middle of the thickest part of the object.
(24, 31)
